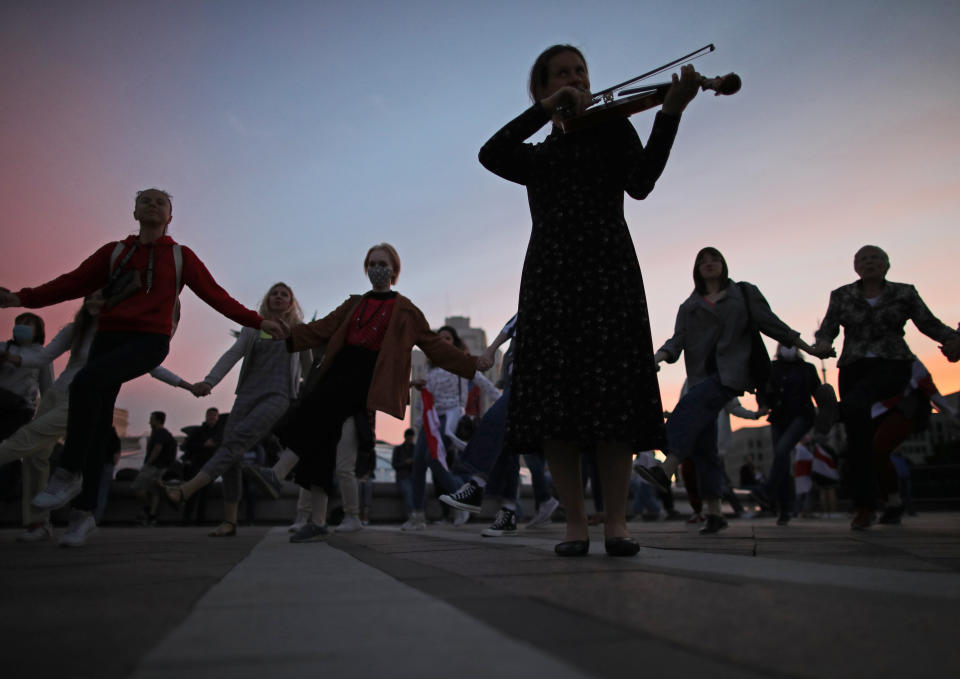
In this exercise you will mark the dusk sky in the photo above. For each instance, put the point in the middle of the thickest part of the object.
(294, 135)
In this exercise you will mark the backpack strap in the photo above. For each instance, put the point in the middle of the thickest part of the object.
(178, 265)
(118, 248)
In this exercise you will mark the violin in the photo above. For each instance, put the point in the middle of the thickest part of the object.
(621, 101)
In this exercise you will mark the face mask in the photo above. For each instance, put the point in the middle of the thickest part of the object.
(379, 275)
(788, 353)
(23, 334)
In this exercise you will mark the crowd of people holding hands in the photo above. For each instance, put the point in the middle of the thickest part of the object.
(582, 376)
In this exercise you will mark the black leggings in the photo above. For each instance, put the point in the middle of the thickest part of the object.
(115, 357)
(313, 430)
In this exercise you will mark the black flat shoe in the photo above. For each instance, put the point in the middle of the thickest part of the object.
(227, 529)
(573, 548)
(621, 546)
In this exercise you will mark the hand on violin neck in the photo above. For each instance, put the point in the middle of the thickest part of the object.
(570, 101)
(682, 91)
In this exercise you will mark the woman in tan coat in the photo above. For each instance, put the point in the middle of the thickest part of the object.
(366, 367)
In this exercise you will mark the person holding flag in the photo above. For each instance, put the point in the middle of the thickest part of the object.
(444, 396)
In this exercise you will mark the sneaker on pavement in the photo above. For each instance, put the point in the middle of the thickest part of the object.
(416, 522)
(36, 532)
(460, 517)
(310, 532)
(544, 513)
(81, 526)
(504, 525)
(264, 479)
(62, 487)
(350, 524)
(297, 525)
(783, 519)
(714, 524)
(469, 498)
(696, 518)
(656, 477)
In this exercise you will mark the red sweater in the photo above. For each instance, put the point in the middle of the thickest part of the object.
(143, 311)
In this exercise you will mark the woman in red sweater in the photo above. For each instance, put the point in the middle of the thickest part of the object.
(141, 277)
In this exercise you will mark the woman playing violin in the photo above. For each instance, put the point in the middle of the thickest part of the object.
(584, 373)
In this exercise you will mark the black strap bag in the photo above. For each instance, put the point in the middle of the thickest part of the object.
(759, 368)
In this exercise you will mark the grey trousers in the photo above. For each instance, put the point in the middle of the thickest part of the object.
(251, 419)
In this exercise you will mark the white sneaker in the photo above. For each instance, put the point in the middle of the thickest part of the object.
(36, 533)
(350, 524)
(545, 512)
(82, 525)
(460, 517)
(416, 522)
(62, 487)
(299, 522)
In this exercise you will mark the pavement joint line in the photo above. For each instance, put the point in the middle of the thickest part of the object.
(522, 617)
(920, 583)
(523, 612)
(293, 603)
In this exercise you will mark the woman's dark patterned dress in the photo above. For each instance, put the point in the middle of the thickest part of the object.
(583, 367)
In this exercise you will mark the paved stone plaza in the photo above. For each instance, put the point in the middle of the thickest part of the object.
(813, 599)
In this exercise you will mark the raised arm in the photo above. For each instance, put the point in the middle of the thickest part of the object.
(926, 322)
(198, 278)
(90, 276)
(673, 347)
(441, 353)
(317, 333)
(506, 154)
(230, 357)
(769, 323)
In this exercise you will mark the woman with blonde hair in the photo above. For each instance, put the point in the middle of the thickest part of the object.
(269, 380)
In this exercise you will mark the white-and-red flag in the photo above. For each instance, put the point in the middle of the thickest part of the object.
(824, 464)
(431, 428)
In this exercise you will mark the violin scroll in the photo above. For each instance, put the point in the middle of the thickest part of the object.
(722, 84)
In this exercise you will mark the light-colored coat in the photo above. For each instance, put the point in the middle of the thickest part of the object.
(724, 328)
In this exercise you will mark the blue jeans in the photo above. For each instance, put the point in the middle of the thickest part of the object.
(486, 445)
(692, 431)
(405, 486)
(785, 436)
(542, 488)
(484, 455)
(422, 459)
(644, 497)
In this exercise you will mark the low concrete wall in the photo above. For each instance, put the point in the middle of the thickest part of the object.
(123, 506)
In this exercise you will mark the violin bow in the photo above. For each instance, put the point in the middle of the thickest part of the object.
(607, 95)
